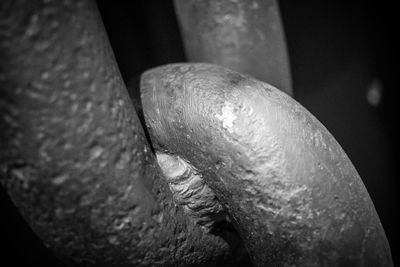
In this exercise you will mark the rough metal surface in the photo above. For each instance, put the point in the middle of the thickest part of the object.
(73, 156)
(191, 191)
(288, 187)
(246, 36)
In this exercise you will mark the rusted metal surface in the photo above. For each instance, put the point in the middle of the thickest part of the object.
(288, 187)
(246, 36)
(73, 156)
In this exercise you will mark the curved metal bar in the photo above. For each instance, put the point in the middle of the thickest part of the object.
(73, 156)
(287, 185)
(246, 36)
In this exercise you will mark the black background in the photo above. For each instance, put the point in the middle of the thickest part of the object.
(336, 50)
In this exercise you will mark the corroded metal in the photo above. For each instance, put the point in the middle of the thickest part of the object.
(73, 155)
(287, 185)
(246, 36)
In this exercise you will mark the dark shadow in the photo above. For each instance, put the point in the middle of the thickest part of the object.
(228, 232)
(133, 87)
